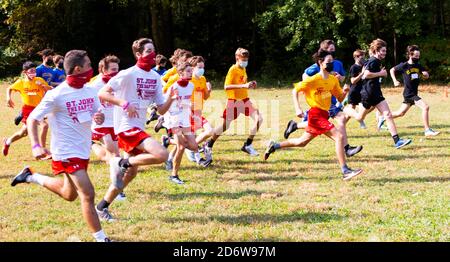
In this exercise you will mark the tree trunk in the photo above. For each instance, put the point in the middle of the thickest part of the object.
(162, 24)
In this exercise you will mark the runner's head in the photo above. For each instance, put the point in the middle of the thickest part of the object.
(161, 61)
(185, 70)
(47, 56)
(359, 55)
(198, 64)
(328, 45)
(413, 53)
(184, 57)
(29, 69)
(111, 64)
(58, 60)
(324, 60)
(176, 55)
(142, 47)
(77, 62)
(378, 48)
(242, 55)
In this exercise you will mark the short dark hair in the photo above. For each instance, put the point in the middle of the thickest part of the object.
(27, 65)
(181, 67)
(74, 58)
(195, 60)
(320, 55)
(110, 59)
(57, 58)
(138, 45)
(326, 43)
(160, 59)
(410, 50)
(46, 52)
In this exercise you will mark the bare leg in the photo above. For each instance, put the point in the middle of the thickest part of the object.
(181, 142)
(23, 132)
(298, 142)
(335, 135)
(425, 113)
(43, 133)
(401, 111)
(257, 121)
(383, 108)
(155, 153)
(208, 132)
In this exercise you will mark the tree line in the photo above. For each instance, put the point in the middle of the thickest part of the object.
(280, 34)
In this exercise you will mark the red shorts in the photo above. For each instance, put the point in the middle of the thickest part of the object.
(236, 107)
(26, 111)
(130, 139)
(69, 166)
(99, 133)
(318, 123)
(196, 126)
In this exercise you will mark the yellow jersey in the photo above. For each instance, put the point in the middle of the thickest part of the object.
(174, 78)
(198, 95)
(169, 74)
(318, 90)
(236, 76)
(31, 91)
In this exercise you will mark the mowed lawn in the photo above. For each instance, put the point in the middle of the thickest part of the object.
(297, 195)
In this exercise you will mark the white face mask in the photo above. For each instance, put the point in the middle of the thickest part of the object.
(243, 64)
(200, 72)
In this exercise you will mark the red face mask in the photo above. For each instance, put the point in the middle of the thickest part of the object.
(78, 81)
(146, 62)
(108, 77)
(183, 82)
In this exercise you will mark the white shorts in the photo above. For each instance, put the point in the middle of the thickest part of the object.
(179, 119)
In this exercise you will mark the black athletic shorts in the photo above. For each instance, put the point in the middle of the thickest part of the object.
(411, 100)
(354, 96)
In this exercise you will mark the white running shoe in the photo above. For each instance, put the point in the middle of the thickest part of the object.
(431, 132)
(115, 172)
(190, 155)
(250, 150)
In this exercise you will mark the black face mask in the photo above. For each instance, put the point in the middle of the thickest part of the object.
(49, 62)
(329, 67)
(61, 65)
(415, 60)
(362, 61)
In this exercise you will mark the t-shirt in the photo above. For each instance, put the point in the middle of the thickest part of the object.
(140, 88)
(179, 113)
(372, 86)
(32, 91)
(355, 70)
(169, 73)
(45, 72)
(174, 78)
(337, 67)
(318, 90)
(236, 76)
(198, 94)
(106, 108)
(411, 77)
(58, 76)
(69, 111)
(162, 71)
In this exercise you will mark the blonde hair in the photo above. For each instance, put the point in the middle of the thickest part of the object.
(242, 52)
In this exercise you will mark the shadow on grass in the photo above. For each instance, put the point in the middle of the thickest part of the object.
(435, 127)
(383, 181)
(249, 219)
(224, 195)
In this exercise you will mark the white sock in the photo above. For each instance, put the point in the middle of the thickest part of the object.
(37, 179)
(99, 236)
(171, 156)
(8, 141)
(197, 156)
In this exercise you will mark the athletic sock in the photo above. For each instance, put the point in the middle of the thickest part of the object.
(277, 146)
(125, 163)
(346, 147)
(99, 236)
(103, 204)
(345, 168)
(248, 142)
(396, 138)
(37, 179)
(8, 141)
(210, 143)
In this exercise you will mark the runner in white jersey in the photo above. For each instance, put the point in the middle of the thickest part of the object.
(104, 133)
(132, 91)
(70, 109)
(179, 120)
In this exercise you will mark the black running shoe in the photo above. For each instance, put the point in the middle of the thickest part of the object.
(176, 180)
(270, 149)
(353, 150)
(18, 118)
(204, 163)
(21, 177)
(165, 141)
(291, 128)
(349, 174)
(159, 124)
(153, 116)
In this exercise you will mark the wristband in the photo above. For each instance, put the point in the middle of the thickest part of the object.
(36, 146)
(127, 104)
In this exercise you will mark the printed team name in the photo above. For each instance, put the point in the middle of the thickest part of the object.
(412, 71)
(146, 88)
(83, 105)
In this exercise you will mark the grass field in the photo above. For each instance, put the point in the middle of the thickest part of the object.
(297, 195)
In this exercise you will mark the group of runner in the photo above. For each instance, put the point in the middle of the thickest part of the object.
(108, 114)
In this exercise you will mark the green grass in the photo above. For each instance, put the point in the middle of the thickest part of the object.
(298, 195)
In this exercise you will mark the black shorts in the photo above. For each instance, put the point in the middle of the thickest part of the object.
(368, 102)
(411, 100)
(354, 96)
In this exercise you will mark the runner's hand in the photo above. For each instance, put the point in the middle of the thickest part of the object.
(132, 111)
(10, 103)
(299, 113)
